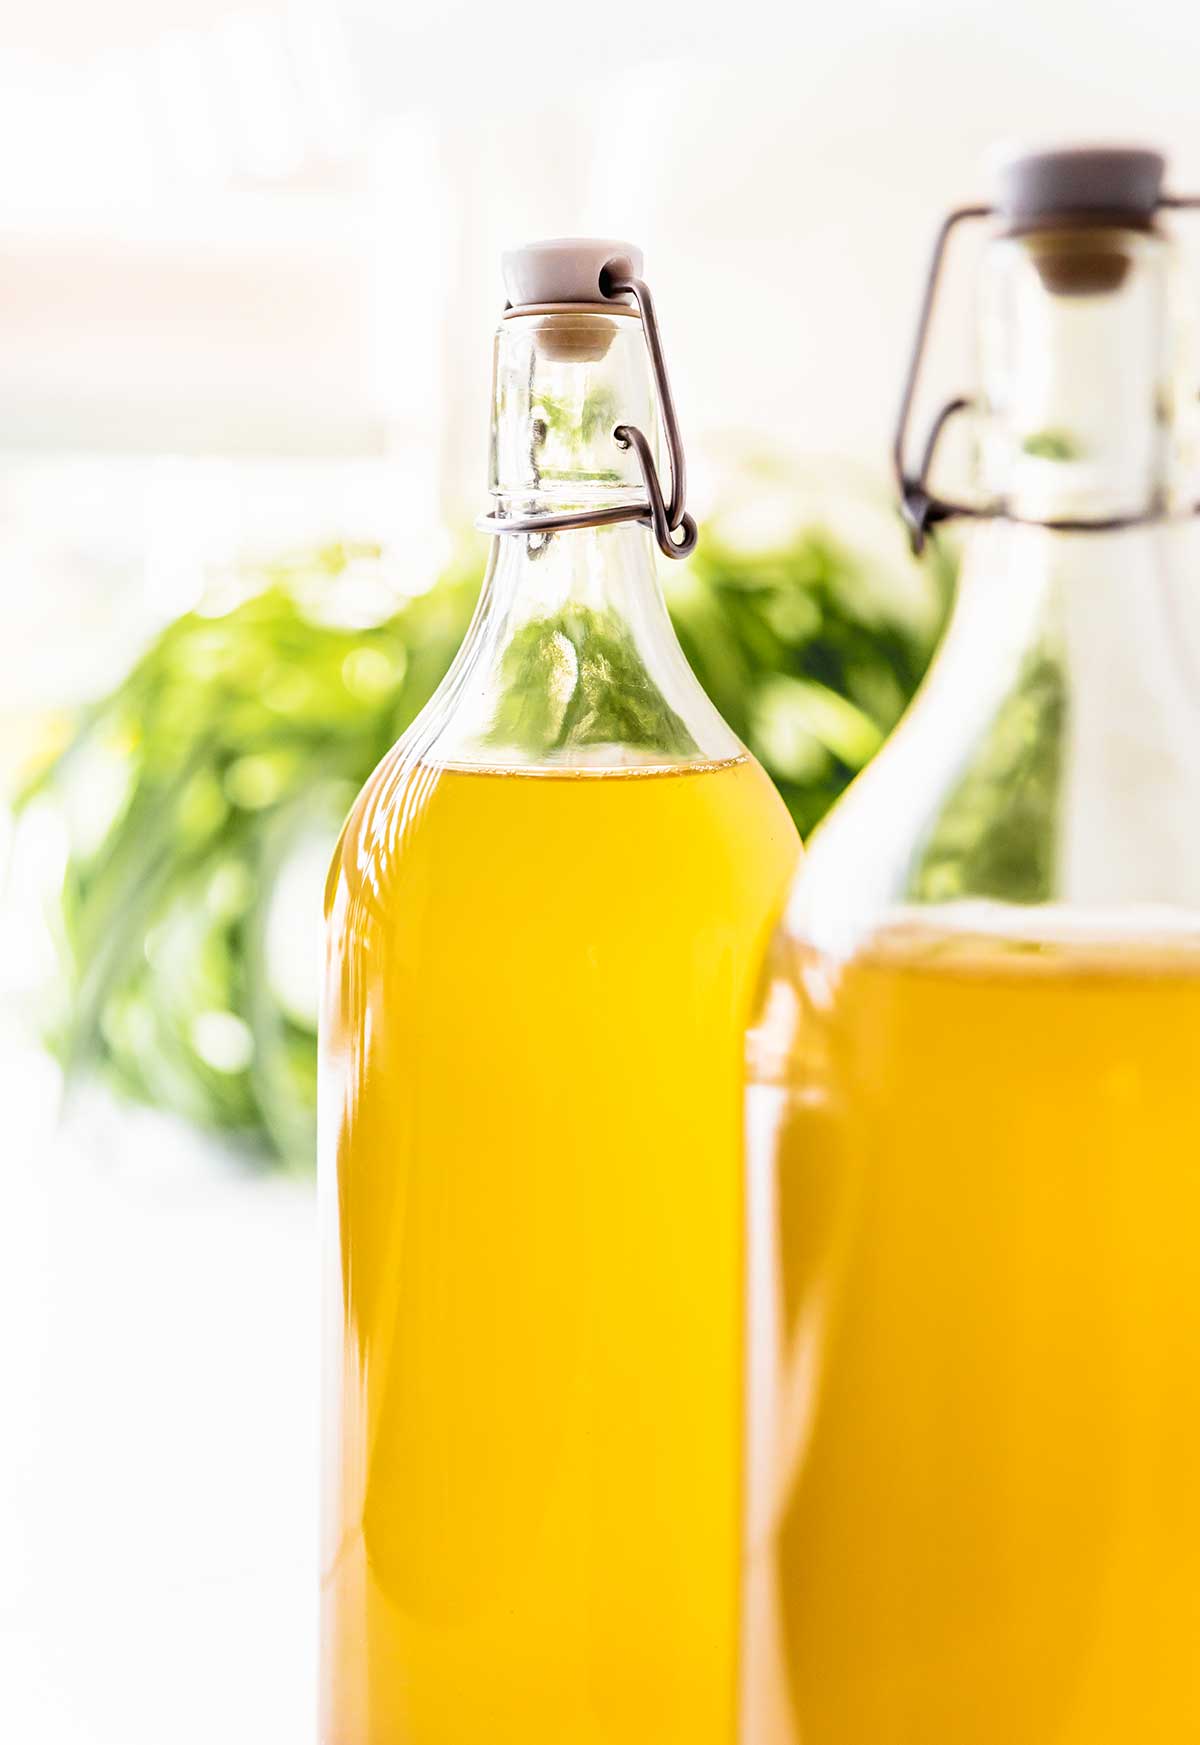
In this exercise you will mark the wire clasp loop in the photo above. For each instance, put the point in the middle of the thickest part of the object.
(919, 507)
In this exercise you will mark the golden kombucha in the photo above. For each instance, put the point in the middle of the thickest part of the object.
(975, 1201)
(531, 1087)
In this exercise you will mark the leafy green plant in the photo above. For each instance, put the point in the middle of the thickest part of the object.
(995, 836)
(576, 679)
(203, 795)
(806, 657)
(230, 751)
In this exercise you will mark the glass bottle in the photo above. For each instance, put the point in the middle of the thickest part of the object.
(974, 1172)
(544, 918)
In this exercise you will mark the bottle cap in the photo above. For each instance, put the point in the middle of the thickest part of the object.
(1037, 189)
(566, 270)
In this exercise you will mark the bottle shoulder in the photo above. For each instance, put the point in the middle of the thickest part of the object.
(1024, 811)
(644, 823)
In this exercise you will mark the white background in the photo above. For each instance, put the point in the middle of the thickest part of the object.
(247, 284)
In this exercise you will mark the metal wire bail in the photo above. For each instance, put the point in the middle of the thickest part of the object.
(673, 528)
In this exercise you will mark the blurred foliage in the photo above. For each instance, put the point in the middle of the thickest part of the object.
(1051, 445)
(203, 796)
(810, 664)
(996, 834)
(577, 679)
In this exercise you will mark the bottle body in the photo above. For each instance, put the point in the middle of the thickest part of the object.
(976, 1233)
(543, 921)
(973, 1205)
(536, 1519)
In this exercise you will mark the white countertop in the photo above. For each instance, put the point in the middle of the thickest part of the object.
(158, 1458)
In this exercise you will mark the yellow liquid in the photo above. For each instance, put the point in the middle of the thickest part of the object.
(531, 1110)
(979, 1513)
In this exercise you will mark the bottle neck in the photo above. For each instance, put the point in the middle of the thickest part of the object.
(572, 660)
(1077, 373)
(563, 380)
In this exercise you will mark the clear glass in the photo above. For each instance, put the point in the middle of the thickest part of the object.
(543, 922)
(974, 1205)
